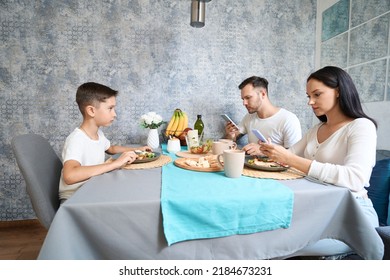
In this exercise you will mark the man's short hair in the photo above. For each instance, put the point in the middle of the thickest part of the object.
(256, 82)
(93, 94)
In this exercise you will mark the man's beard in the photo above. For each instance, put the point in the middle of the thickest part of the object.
(251, 110)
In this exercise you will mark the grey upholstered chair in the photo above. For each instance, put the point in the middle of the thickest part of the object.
(384, 233)
(41, 170)
(379, 193)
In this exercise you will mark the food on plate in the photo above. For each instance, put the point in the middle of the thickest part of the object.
(265, 162)
(144, 154)
(202, 162)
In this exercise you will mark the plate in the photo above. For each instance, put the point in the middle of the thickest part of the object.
(157, 155)
(180, 162)
(277, 168)
(188, 154)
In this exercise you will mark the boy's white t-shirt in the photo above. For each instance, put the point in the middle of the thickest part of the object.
(78, 146)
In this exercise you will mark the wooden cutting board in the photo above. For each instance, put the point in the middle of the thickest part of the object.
(187, 154)
(214, 165)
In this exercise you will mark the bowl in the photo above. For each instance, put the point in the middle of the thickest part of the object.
(203, 148)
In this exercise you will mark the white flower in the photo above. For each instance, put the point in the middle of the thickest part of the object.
(151, 120)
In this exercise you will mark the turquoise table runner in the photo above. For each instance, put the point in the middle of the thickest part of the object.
(198, 205)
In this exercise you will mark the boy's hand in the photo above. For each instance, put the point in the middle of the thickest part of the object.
(126, 158)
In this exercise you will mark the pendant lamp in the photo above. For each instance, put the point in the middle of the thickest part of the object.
(198, 13)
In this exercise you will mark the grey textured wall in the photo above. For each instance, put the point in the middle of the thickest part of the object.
(359, 42)
(148, 51)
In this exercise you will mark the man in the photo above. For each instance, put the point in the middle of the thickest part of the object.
(277, 124)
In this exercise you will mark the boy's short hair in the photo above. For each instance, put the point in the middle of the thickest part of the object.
(93, 94)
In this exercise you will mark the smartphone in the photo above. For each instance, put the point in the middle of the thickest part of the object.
(259, 135)
(228, 119)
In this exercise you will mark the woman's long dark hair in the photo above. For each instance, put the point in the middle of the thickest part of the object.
(349, 100)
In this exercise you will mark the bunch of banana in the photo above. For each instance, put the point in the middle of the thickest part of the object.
(177, 124)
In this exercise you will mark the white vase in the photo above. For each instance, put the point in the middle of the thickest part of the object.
(153, 138)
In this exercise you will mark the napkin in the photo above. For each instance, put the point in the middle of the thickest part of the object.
(197, 205)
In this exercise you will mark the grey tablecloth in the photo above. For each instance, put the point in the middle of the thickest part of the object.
(118, 216)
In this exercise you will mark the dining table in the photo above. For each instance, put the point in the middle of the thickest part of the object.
(119, 215)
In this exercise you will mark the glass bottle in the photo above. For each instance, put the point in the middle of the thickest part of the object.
(199, 125)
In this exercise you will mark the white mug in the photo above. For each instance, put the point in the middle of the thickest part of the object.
(232, 144)
(226, 140)
(233, 162)
(219, 146)
(173, 145)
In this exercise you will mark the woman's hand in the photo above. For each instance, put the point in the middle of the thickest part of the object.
(275, 152)
(252, 149)
(282, 155)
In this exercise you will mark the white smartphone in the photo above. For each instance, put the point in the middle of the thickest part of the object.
(259, 135)
(228, 119)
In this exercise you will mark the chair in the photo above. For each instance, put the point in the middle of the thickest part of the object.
(384, 233)
(379, 193)
(41, 170)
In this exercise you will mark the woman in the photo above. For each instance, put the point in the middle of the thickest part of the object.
(340, 150)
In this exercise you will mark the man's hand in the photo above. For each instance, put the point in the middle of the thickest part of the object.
(231, 131)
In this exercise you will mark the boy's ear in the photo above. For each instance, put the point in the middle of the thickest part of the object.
(90, 110)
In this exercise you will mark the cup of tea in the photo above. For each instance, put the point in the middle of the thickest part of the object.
(232, 162)
(219, 146)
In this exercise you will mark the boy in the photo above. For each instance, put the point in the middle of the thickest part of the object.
(84, 150)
